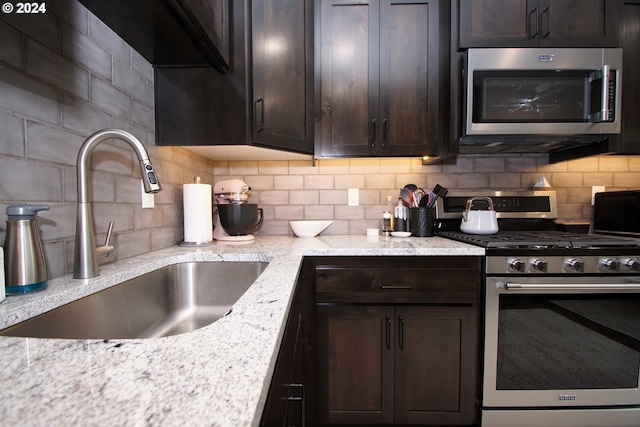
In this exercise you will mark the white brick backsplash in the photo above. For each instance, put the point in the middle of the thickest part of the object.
(12, 135)
(111, 99)
(24, 96)
(23, 181)
(129, 81)
(11, 52)
(49, 66)
(86, 52)
(80, 116)
(109, 40)
(52, 144)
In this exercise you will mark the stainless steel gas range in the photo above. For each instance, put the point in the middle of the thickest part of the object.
(562, 317)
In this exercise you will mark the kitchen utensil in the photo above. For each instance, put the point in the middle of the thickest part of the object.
(439, 191)
(407, 197)
(479, 217)
(25, 266)
(411, 187)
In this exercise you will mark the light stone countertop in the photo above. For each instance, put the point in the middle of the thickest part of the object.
(218, 375)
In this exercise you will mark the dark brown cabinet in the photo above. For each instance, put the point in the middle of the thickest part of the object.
(381, 77)
(266, 96)
(170, 33)
(397, 340)
(629, 139)
(532, 23)
(285, 405)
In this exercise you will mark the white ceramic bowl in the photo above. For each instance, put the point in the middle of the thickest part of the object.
(309, 228)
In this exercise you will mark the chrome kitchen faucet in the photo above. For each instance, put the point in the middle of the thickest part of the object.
(85, 263)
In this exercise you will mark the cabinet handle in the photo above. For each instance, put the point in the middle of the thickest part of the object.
(533, 23)
(373, 141)
(546, 22)
(384, 132)
(383, 286)
(298, 398)
(388, 333)
(401, 332)
(259, 123)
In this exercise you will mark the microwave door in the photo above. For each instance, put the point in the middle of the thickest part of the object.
(600, 95)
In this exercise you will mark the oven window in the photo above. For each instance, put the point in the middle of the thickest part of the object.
(551, 342)
(530, 96)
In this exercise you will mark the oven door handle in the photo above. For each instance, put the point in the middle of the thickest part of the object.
(566, 287)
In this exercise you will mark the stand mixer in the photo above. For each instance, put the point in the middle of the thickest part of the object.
(235, 219)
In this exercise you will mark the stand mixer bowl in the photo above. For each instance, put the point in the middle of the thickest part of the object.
(240, 219)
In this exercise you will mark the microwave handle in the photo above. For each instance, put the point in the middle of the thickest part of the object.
(606, 111)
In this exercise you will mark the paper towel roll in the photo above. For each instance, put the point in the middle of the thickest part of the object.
(198, 221)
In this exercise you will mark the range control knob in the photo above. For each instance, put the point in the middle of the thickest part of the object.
(608, 265)
(631, 265)
(573, 265)
(539, 265)
(516, 265)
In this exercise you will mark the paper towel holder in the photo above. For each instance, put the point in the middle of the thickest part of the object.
(184, 244)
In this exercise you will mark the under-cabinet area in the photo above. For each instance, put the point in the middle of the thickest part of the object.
(379, 341)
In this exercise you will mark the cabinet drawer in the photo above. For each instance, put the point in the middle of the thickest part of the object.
(442, 280)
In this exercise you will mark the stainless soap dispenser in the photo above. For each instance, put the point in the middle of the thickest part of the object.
(24, 264)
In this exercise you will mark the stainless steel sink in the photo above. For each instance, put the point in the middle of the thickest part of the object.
(172, 300)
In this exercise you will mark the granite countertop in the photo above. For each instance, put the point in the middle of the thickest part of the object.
(218, 375)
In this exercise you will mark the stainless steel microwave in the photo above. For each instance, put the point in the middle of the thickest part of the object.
(540, 91)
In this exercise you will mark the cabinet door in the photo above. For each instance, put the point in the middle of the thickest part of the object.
(411, 77)
(630, 36)
(498, 23)
(435, 363)
(578, 23)
(355, 364)
(349, 58)
(530, 23)
(282, 105)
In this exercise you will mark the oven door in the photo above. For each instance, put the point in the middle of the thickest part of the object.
(562, 342)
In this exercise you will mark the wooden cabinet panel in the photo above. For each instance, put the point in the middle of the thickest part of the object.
(266, 96)
(349, 64)
(629, 140)
(436, 348)
(384, 359)
(282, 75)
(355, 364)
(382, 77)
(528, 23)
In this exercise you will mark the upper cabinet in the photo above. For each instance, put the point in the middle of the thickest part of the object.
(381, 77)
(532, 23)
(170, 33)
(266, 96)
(629, 140)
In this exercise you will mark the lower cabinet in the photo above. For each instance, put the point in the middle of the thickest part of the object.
(395, 364)
(398, 341)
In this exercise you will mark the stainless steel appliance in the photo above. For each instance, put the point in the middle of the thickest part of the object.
(617, 212)
(562, 318)
(540, 99)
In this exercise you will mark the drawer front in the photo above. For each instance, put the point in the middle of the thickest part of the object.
(426, 280)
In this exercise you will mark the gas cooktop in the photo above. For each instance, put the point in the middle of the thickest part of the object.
(542, 240)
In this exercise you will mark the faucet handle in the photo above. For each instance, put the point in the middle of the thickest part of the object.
(106, 249)
(109, 231)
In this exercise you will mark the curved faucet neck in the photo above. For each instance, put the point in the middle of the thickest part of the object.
(85, 260)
